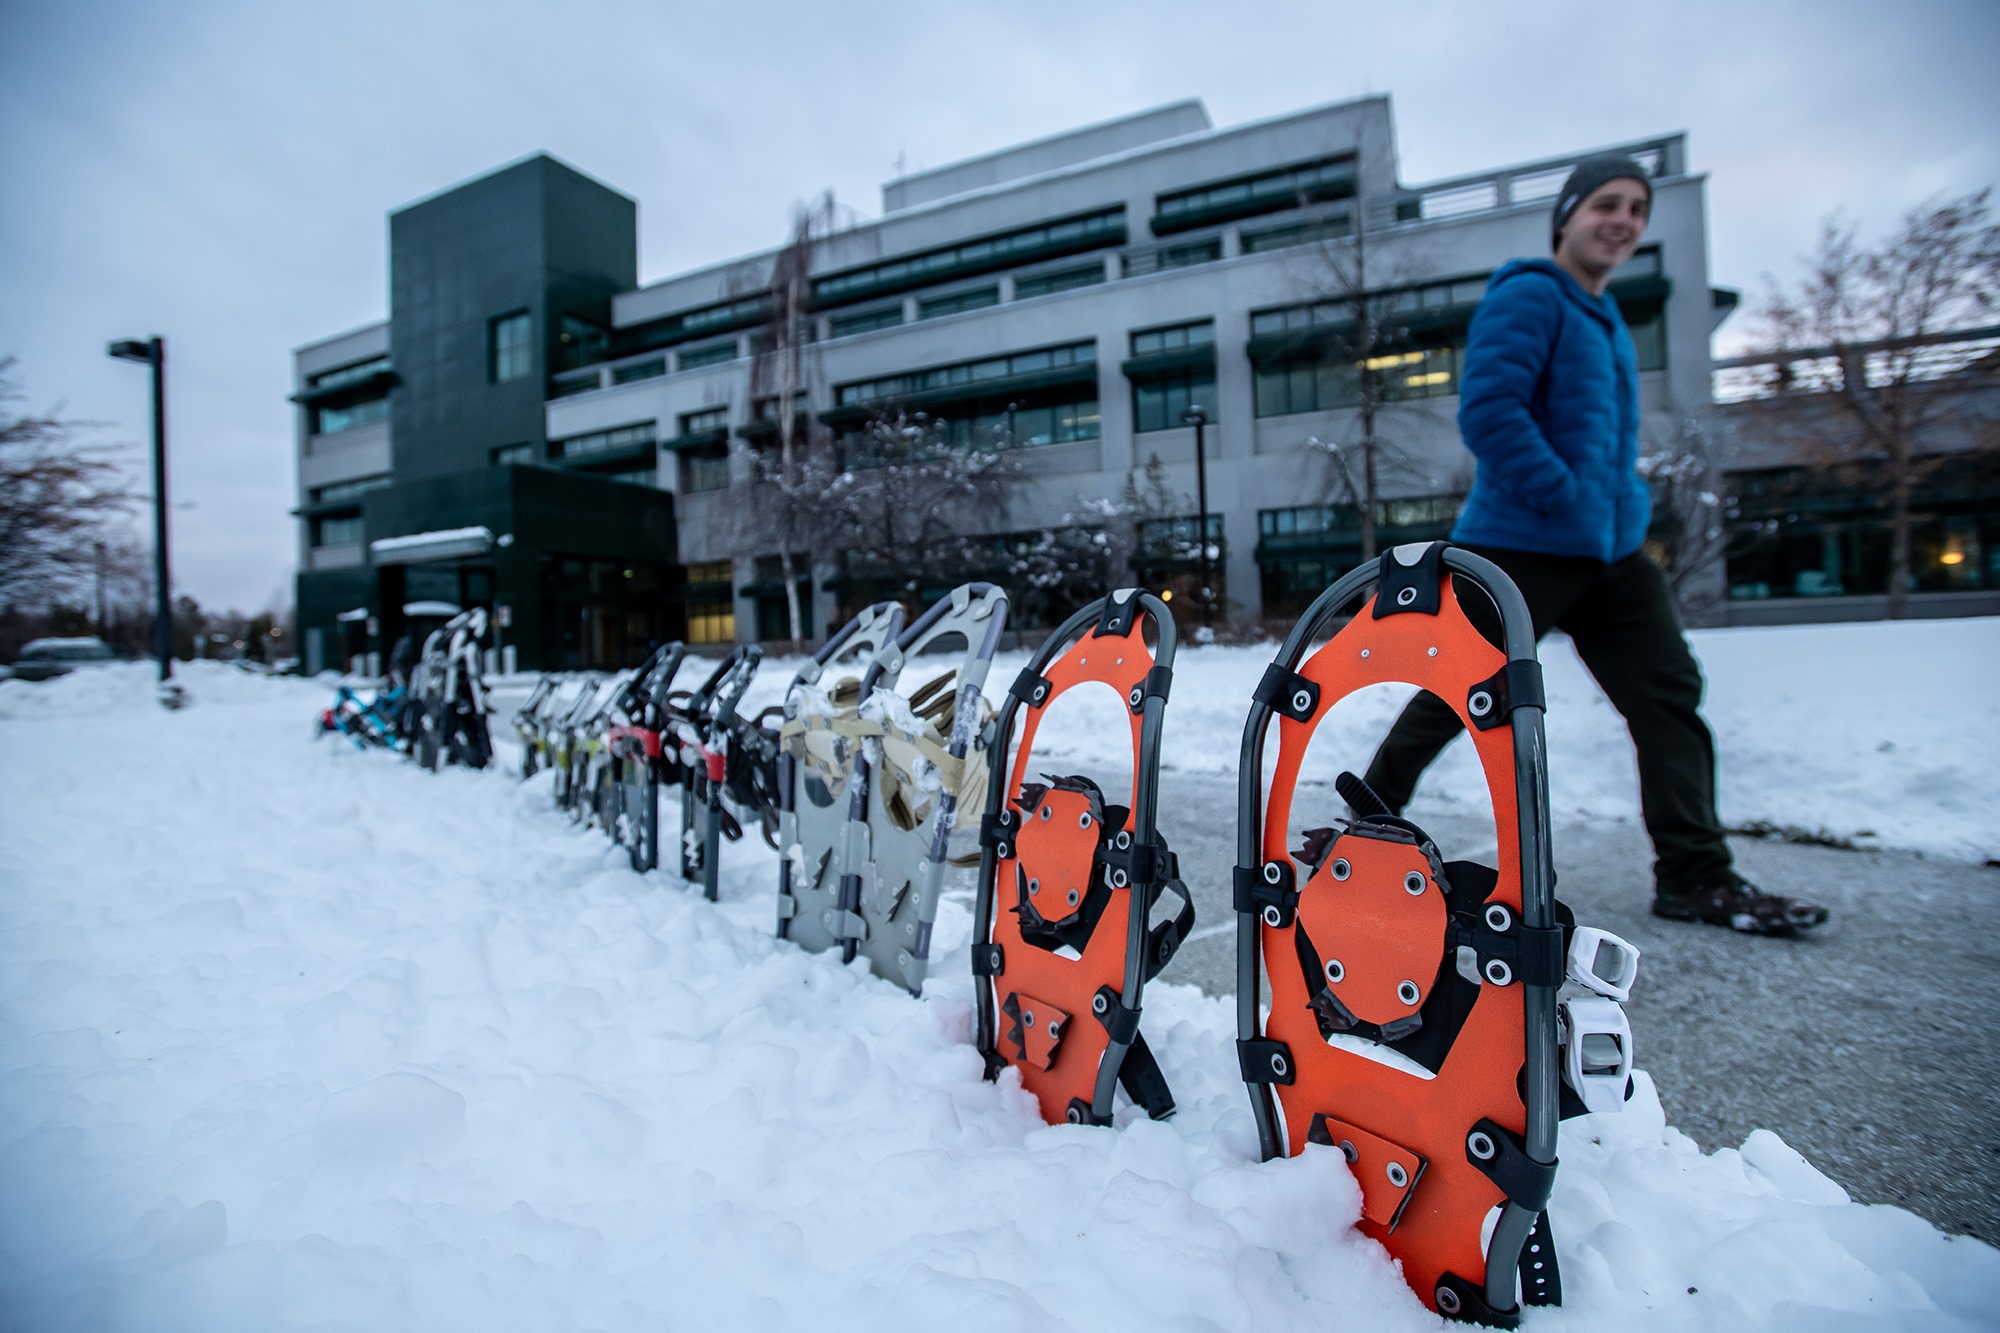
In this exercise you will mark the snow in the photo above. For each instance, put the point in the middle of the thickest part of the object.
(1879, 735)
(294, 1036)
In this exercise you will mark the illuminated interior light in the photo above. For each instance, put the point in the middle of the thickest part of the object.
(1422, 381)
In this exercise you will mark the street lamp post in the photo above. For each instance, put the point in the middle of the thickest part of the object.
(153, 352)
(1198, 418)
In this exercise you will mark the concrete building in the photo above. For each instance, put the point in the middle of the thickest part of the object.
(417, 436)
(1078, 293)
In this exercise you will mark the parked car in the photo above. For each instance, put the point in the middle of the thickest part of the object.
(44, 659)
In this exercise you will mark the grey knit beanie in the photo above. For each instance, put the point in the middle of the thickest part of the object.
(1584, 180)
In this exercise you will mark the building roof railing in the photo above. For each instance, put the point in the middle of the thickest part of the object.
(1936, 357)
(1523, 183)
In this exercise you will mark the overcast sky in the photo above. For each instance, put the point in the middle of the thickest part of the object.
(220, 173)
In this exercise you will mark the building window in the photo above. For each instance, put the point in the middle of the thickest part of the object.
(1151, 342)
(774, 613)
(1301, 233)
(1160, 396)
(704, 421)
(711, 354)
(509, 348)
(1452, 301)
(766, 409)
(966, 373)
(637, 436)
(337, 529)
(1158, 403)
(704, 470)
(579, 342)
(1649, 340)
(711, 604)
(1302, 551)
(349, 490)
(1321, 386)
(1063, 280)
(955, 302)
(867, 321)
(1061, 423)
(513, 453)
(600, 613)
(354, 374)
(1173, 256)
(1304, 386)
(1246, 196)
(633, 372)
(349, 416)
(1006, 250)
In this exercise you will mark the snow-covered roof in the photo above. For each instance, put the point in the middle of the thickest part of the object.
(443, 544)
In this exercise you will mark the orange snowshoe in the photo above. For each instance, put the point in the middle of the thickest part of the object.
(1413, 1008)
(1069, 877)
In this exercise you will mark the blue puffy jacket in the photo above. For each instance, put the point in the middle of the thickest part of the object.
(1549, 406)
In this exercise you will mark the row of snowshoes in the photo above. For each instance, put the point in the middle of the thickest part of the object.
(1430, 1019)
(616, 742)
(433, 708)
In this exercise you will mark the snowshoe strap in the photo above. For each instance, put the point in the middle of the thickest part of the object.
(1139, 1074)
(1541, 1280)
(1163, 940)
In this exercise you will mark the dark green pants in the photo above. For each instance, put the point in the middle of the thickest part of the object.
(1626, 628)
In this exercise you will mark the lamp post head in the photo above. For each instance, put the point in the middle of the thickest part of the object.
(131, 349)
(1195, 416)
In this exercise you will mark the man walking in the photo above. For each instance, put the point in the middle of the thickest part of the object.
(1549, 407)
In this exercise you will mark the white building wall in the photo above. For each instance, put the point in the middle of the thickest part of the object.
(1253, 464)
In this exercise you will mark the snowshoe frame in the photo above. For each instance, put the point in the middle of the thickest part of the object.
(1304, 1087)
(1090, 999)
(701, 725)
(818, 877)
(637, 756)
(895, 894)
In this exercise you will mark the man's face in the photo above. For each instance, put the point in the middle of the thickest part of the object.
(1605, 228)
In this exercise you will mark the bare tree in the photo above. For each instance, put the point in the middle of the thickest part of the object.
(1863, 328)
(56, 499)
(780, 374)
(916, 503)
(1690, 535)
(1369, 343)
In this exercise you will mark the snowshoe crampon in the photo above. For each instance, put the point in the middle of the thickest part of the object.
(1069, 875)
(1412, 1015)
(925, 777)
(821, 781)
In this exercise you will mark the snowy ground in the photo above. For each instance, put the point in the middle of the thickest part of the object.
(293, 1036)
